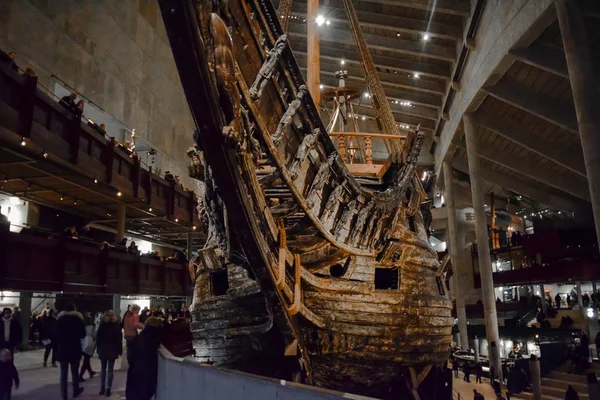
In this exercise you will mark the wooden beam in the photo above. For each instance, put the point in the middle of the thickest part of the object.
(525, 189)
(388, 22)
(513, 132)
(452, 7)
(312, 45)
(370, 170)
(423, 99)
(573, 186)
(544, 57)
(369, 134)
(409, 67)
(559, 114)
(391, 79)
(391, 44)
(367, 111)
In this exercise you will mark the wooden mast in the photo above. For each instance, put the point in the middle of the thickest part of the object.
(312, 51)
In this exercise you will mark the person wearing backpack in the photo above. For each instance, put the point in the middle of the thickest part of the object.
(87, 349)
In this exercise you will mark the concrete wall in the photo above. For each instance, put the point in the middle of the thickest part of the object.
(212, 383)
(116, 54)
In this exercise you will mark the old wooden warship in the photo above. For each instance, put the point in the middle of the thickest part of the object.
(346, 270)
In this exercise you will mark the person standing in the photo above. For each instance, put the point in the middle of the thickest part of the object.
(8, 374)
(477, 395)
(87, 350)
(467, 372)
(557, 301)
(49, 337)
(69, 101)
(110, 347)
(455, 368)
(11, 333)
(70, 329)
(131, 324)
(478, 372)
(143, 362)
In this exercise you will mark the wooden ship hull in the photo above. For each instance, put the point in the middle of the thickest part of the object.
(346, 271)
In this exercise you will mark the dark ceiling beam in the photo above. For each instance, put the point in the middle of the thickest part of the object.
(409, 67)
(388, 22)
(367, 111)
(453, 7)
(577, 187)
(401, 81)
(573, 161)
(423, 99)
(544, 57)
(590, 8)
(525, 189)
(391, 44)
(559, 114)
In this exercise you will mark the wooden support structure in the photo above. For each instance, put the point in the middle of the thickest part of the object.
(312, 49)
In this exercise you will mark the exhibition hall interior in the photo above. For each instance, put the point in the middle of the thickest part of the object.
(307, 199)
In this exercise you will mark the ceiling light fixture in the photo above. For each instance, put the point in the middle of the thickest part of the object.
(416, 76)
(320, 20)
(426, 37)
(321, 86)
(119, 194)
(23, 142)
(342, 62)
(176, 219)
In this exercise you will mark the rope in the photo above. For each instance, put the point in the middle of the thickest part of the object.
(293, 310)
(282, 252)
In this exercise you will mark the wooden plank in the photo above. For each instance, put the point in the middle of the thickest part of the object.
(369, 134)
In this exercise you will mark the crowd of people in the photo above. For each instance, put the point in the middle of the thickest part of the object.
(71, 339)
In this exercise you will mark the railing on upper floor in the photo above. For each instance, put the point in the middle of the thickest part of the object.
(75, 265)
(50, 130)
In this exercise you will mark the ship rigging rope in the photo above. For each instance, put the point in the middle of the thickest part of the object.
(285, 12)
(381, 106)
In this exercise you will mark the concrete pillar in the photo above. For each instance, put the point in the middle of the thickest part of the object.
(536, 378)
(313, 74)
(543, 296)
(116, 304)
(585, 85)
(458, 344)
(476, 347)
(518, 294)
(454, 255)
(25, 320)
(121, 216)
(485, 262)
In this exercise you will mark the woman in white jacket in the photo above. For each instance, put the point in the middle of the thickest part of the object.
(88, 346)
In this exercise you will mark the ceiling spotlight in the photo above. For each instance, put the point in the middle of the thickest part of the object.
(398, 34)
(45, 155)
(416, 76)
(342, 62)
(367, 95)
(328, 22)
(321, 87)
(150, 209)
(62, 197)
(363, 118)
(426, 37)
(119, 194)
(320, 20)
(23, 142)
(176, 219)
(109, 214)
(75, 201)
(194, 227)
(95, 180)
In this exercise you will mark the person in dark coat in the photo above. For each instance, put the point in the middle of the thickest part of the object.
(467, 372)
(8, 374)
(557, 301)
(478, 372)
(143, 366)
(70, 329)
(109, 340)
(11, 333)
(9, 59)
(69, 101)
(571, 393)
(455, 368)
(49, 337)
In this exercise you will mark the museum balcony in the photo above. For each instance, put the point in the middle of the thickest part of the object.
(548, 256)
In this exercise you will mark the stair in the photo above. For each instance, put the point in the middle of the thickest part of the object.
(555, 384)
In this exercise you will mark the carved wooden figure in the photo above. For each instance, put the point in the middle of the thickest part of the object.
(289, 114)
(308, 143)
